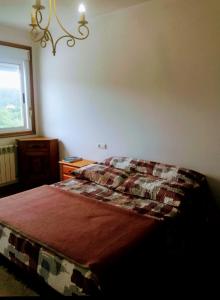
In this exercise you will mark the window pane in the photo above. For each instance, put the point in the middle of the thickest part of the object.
(11, 113)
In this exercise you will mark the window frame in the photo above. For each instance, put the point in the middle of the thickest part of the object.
(32, 119)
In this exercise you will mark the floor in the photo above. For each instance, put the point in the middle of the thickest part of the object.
(12, 285)
(11, 189)
(13, 282)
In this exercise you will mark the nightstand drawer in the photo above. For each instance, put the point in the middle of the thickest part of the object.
(64, 177)
(37, 145)
(67, 170)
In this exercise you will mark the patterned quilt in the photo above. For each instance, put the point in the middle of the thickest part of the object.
(64, 276)
(147, 207)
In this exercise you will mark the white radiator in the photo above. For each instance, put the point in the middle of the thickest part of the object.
(7, 164)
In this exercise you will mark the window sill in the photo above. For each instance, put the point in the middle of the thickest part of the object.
(18, 133)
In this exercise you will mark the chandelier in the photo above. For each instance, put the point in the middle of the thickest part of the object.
(43, 34)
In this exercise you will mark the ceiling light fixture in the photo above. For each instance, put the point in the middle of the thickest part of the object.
(43, 34)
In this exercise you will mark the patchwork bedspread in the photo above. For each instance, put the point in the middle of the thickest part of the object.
(143, 206)
(59, 272)
(66, 276)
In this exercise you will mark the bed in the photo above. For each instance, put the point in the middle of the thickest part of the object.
(91, 235)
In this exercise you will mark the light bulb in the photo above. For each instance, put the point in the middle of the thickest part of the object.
(82, 8)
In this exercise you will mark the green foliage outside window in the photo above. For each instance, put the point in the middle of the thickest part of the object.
(10, 108)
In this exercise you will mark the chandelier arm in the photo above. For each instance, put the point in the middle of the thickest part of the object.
(84, 36)
(39, 18)
(70, 42)
(46, 38)
(58, 20)
(66, 31)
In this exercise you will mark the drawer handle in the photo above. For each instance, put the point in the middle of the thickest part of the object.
(35, 146)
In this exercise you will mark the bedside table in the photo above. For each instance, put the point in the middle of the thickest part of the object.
(37, 161)
(66, 168)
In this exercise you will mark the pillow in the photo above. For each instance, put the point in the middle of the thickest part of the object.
(154, 188)
(192, 177)
(161, 170)
(142, 166)
(119, 162)
(103, 175)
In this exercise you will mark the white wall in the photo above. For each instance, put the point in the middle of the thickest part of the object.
(146, 83)
(14, 35)
(17, 36)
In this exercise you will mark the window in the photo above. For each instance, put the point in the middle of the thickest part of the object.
(16, 90)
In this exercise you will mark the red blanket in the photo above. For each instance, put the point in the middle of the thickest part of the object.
(81, 229)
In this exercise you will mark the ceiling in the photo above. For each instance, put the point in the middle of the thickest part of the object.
(16, 13)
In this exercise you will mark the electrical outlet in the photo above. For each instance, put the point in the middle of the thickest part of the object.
(102, 146)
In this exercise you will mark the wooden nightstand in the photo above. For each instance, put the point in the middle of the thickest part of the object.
(66, 168)
(37, 161)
